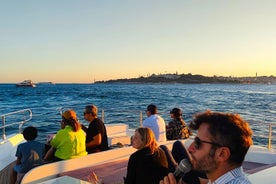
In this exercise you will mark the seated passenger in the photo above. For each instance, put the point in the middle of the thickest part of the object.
(177, 129)
(96, 136)
(148, 165)
(155, 122)
(29, 154)
(69, 142)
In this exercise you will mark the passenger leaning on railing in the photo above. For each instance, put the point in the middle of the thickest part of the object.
(69, 142)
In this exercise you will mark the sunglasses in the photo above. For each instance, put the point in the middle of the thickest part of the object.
(85, 113)
(198, 142)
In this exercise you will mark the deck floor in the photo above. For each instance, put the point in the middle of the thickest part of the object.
(109, 173)
(114, 172)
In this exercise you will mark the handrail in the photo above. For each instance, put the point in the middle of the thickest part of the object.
(269, 144)
(268, 136)
(20, 123)
(140, 117)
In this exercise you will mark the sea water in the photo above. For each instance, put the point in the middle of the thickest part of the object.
(125, 103)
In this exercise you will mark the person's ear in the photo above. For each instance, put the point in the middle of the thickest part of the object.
(223, 153)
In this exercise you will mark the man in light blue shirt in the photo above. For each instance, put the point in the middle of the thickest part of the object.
(219, 148)
(155, 122)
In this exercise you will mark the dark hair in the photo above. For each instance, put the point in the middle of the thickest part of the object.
(176, 112)
(228, 130)
(30, 133)
(92, 109)
(152, 109)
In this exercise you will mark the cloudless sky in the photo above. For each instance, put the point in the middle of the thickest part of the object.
(66, 41)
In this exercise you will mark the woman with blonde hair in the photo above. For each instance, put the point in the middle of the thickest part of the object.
(148, 165)
(69, 142)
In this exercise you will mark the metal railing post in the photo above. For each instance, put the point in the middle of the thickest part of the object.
(269, 136)
(103, 115)
(3, 130)
(141, 119)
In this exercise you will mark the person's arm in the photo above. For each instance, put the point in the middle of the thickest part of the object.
(18, 161)
(203, 180)
(49, 155)
(97, 140)
(84, 128)
(131, 169)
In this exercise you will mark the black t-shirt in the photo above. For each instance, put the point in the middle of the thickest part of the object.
(95, 127)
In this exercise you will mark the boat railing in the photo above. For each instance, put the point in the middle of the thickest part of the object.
(26, 115)
(140, 116)
(263, 133)
(126, 115)
(270, 135)
(267, 132)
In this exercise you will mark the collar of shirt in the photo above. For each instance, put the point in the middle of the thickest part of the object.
(232, 177)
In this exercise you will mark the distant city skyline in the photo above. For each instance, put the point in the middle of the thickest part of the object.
(81, 41)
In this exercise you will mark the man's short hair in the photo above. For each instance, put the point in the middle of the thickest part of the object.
(92, 109)
(152, 109)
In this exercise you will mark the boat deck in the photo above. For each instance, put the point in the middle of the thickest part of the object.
(114, 172)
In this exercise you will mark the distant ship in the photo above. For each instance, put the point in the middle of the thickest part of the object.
(26, 83)
(46, 83)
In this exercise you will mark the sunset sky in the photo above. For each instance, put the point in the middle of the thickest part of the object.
(67, 41)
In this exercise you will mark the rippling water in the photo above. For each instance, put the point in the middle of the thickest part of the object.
(124, 102)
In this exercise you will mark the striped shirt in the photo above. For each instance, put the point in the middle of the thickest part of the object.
(235, 176)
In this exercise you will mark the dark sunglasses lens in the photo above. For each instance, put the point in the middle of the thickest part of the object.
(197, 143)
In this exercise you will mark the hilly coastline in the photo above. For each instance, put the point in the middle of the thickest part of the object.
(195, 79)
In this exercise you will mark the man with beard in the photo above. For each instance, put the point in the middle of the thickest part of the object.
(219, 148)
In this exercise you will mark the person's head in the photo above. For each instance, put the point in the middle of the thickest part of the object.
(90, 112)
(69, 117)
(222, 138)
(30, 133)
(144, 137)
(176, 113)
(151, 109)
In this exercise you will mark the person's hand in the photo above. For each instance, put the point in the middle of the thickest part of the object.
(170, 179)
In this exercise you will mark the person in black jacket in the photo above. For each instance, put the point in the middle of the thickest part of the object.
(148, 165)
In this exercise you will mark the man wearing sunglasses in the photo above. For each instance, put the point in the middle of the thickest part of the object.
(96, 136)
(219, 148)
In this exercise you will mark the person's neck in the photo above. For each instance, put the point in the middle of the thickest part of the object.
(92, 118)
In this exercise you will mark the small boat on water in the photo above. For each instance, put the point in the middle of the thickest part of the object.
(110, 166)
(26, 83)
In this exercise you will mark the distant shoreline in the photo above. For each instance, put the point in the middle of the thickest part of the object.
(195, 79)
(176, 79)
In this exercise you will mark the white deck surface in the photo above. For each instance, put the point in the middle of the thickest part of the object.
(266, 176)
(64, 179)
(8, 148)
